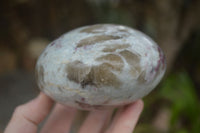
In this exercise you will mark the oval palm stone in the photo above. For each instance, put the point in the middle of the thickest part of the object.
(100, 66)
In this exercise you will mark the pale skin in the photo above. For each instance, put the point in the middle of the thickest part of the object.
(27, 117)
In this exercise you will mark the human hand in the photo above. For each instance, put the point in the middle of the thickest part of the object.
(27, 117)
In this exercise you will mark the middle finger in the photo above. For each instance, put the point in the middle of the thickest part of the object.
(60, 120)
(96, 121)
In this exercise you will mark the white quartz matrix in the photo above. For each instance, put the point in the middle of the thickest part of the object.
(99, 66)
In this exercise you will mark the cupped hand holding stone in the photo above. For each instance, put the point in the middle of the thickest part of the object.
(27, 117)
(95, 68)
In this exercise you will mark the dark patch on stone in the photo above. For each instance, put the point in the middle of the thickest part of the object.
(87, 81)
(162, 60)
(101, 28)
(82, 99)
(88, 106)
(132, 59)
(110, 58)
(45, 54)
(141, 78)
(114, 62)
(129, 96)
(101, 76)
(60, 89)
(106, 101)
(113, 48)
(133, 71)
(53, 43)
(96, 39)
(76, 71)
(124, 30)
(114, 66)
(39, 75)
(161, 63)
(158, 68)
(59, 69)
(93, 29)
(97, 76)
(157, 73)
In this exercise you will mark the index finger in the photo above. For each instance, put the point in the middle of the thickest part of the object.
(27, 117)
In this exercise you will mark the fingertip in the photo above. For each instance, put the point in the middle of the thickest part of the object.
(134, 108)
(139, 104)
(43, 97)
